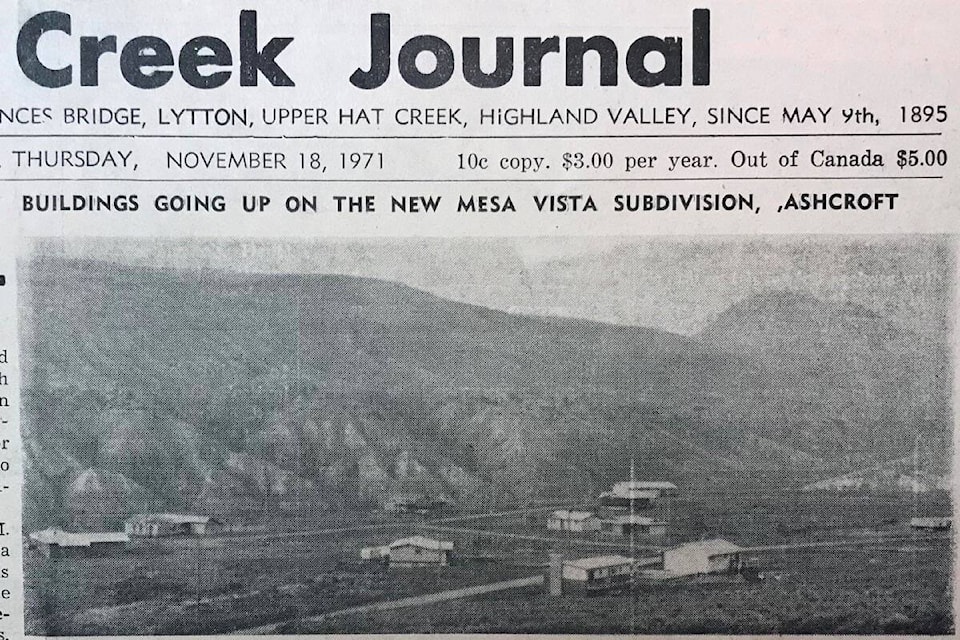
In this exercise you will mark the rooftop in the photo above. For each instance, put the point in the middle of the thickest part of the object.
(626, 485)
(716, 546)
(173, 518)
(566, 514)
(634, 519)
(423, 543)
(62, 538)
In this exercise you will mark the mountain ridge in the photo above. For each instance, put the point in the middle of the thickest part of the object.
(335, 391)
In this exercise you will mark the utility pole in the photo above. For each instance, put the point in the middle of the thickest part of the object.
(631, 522)
(199, 581)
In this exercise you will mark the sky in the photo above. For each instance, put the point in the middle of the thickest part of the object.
(672, 283)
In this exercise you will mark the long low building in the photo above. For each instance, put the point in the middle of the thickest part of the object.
(935, 523)
(57, 543)
(625, 525)
(157, 525)
(637, 494)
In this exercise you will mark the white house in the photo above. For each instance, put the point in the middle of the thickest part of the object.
(624, 525)
(937, 524)
(704, 556)
(567, 520)
(419, 551)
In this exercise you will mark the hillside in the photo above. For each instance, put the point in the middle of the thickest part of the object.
(152, 388)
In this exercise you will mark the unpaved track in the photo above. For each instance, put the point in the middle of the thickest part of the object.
(412, 601)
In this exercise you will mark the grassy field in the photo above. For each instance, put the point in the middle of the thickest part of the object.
(238, 582)
(850, 592)
(195, 586)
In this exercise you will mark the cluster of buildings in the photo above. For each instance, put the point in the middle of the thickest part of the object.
(620, 525)
(57, 543)
(603, 573)
(630, 507)
(617, 515)
(634, 507)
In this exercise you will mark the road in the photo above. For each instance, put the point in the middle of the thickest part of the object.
(412, 601)
(859, 542)
(520, 536)
(382, 526)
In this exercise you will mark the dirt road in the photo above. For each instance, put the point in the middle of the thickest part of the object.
(412, 601)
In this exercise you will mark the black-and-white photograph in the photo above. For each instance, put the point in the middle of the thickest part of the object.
(558, 435)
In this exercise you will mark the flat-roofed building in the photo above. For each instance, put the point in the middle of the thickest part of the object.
(932, 523)
(157, 525)
(57, 543)
(627, 524)
(638, 494)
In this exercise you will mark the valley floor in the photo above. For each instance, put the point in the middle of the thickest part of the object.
(888, 580)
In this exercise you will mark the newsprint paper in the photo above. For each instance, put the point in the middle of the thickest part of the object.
(505, 318)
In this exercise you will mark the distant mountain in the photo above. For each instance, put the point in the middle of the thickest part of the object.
(910, 473)
(857, 378)
(223, 392)
(798, 324)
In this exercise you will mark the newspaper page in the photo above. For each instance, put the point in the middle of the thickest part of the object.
(538, 318)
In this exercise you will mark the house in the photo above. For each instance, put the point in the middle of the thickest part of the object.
(936, 524)
(704, 556)
(419, 551)
(567, 520)
(639, 494)
(157, 525)
(57, 543)
(597, 574)
(624, 525)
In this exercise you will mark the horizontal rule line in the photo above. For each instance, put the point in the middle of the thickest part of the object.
(452, 137)
(469, 180)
